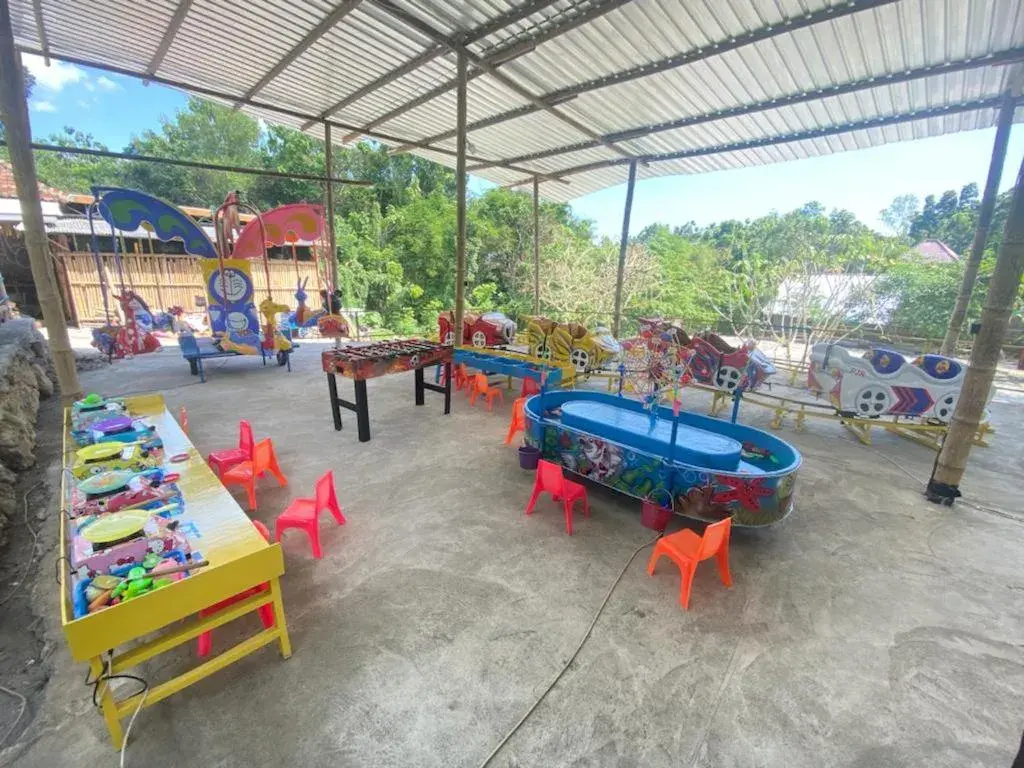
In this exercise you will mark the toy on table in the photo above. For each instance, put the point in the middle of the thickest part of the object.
(113, 491)
(98, 458)
(119, 538)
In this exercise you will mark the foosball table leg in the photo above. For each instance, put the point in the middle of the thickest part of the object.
(419, 386)
(363, 410)
(447, 388)
(332, 388)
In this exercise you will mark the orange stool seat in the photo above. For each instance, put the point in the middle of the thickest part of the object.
(686, 549)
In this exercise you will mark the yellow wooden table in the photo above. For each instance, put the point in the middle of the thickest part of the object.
(111, 640)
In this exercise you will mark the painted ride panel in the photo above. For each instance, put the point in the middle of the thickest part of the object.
(715, 469)
(884, 383)
(510, 364)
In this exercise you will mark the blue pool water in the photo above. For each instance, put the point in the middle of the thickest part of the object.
(695, 446)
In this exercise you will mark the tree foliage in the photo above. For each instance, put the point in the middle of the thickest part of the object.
(396, 239)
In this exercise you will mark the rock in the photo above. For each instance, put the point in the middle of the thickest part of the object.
(42, 380)
(24, 362)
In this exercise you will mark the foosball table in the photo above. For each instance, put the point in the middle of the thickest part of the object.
(360, 362)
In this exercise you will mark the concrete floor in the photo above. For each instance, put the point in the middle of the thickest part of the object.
(869, 629)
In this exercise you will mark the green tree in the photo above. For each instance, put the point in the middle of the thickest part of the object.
(899, 215)
(76, 173)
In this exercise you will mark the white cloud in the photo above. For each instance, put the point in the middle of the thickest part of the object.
(89, 86)
(83, 104)
(53, 77)
(107, 84)
(42, 106)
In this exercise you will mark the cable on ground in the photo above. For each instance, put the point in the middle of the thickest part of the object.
(579, 647)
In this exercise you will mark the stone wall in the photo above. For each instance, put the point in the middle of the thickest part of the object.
(26, 376)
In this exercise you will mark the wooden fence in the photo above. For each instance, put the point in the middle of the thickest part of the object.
(164, 281)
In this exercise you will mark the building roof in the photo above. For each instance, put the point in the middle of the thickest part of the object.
(936, 252)
(8, 190)
(570, 90)
(79, 225)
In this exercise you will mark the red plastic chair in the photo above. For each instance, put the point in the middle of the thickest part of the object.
(550, 479)
(221, 461)
(482, 387)
(263, 460)
(266, 612)
(304, 513)
(518, 423)
(685, 548)
(530, 387)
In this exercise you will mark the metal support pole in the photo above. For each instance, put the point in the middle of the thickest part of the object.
(19, 141)
(329, 173)
(988, 204)
(944, 484)
(460, 200)
(536, 245)
(623, 243)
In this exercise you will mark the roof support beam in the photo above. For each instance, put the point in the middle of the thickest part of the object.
(679, 60)
(169, 34)
(787, 138)
(341, 11)
(410, 66)
(502, 54)
(1007, 57)
(422, 27)
(213, 93)
(44, 43)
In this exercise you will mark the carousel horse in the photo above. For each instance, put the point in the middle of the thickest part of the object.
(273, 339)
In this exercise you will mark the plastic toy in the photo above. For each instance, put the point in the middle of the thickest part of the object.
(884, 383)
(304, 513)
(490, 329)
(644, 449)
(549, 479)
(120, 538)
(107, 457)
(572, 343)
(686, 549)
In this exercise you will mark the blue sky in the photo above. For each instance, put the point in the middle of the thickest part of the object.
(113, 108)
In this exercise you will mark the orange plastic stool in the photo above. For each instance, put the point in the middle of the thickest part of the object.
(685, 548)
(530, 387)
(304, 513)
(263, 460)
(518, 423)
(482, 387)
(220, 461)
(460, 375)
(551, 480)
(266, 612)
(183, 420)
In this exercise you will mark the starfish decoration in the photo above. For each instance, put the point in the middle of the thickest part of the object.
(747, 492)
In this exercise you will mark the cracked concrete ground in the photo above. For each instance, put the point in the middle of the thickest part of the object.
(869, 629)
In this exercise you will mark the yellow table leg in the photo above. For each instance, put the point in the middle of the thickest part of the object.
(801, 416)
(282, 626)
(107, 703)
(780, 416)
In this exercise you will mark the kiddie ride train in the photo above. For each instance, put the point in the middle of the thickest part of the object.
(571, 343)
(489, 329)
(884, 383)
(711, 361)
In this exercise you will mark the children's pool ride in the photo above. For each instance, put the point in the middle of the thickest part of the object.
(709, 468)
(883, 382)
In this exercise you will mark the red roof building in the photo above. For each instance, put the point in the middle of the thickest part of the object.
(936, 252)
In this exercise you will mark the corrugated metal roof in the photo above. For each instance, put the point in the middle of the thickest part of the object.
(728, 83)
